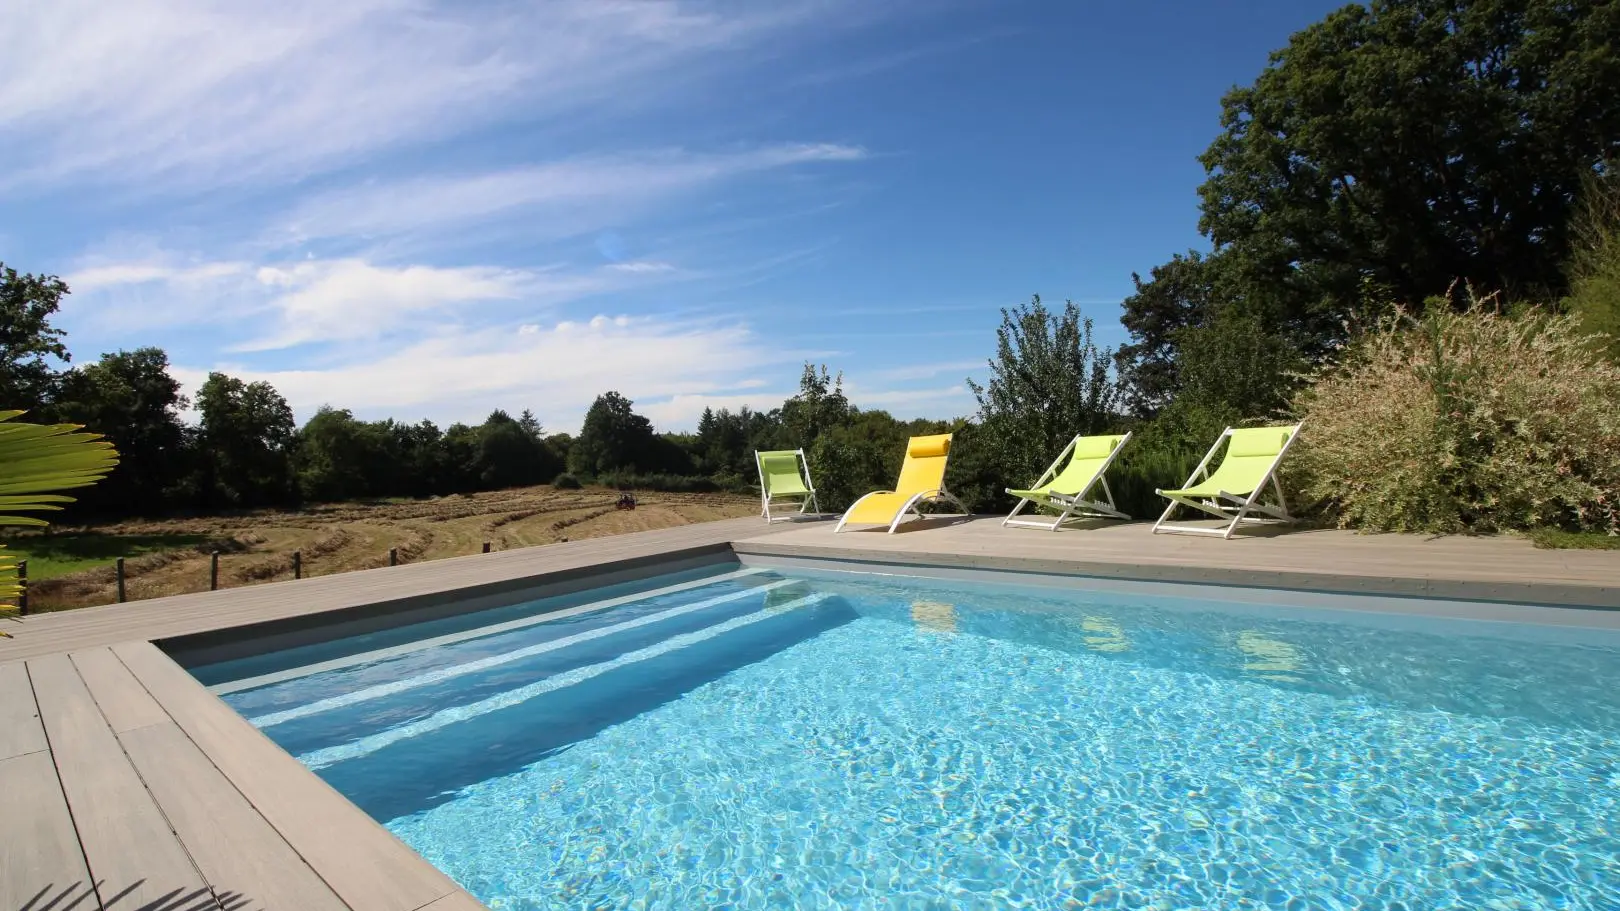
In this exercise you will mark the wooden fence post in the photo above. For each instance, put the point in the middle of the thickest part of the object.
(393, 556)
(298, 564)
(119, 569)
(213, 571)
(486, 547)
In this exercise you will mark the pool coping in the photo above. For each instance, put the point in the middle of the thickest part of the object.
(126, 773)
(1536, 594)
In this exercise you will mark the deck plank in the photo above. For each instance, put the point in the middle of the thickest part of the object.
(41, 864)
(362, 862)
(20, 729)
(244, 859)
(123, 701)
(128, 845)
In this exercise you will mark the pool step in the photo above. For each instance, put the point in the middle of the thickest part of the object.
(489, 662)
(493, 629)
(322, 758)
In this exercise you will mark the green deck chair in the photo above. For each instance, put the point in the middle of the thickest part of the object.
(1088, 459)
(782, 477)
(1234, 490)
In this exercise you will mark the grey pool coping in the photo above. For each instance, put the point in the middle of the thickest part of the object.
(1487, 570)
(123, 779)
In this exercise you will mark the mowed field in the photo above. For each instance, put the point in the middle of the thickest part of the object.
(73, 566)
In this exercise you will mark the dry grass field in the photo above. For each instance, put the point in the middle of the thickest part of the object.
(73, 566)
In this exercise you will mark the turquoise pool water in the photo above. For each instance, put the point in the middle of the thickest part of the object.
(767, 739)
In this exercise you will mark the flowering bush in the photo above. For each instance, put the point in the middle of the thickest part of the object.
(1467, 421)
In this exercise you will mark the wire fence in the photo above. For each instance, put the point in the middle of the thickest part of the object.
(121, 575)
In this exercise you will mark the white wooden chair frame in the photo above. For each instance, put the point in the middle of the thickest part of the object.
(1077, 508)
(1231, 506)
(806, 500)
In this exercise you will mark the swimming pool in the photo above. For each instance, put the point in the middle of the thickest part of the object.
(776, 737)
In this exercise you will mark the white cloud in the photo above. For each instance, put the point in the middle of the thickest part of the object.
(327, 301)
(681, 412)
(462, 375)
(642, 267)
(561, 199)
(208, 92)
(279, 305)
(112, 275)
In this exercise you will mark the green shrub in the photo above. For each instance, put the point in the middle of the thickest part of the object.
(1142, 470)
(1465, 421)
(566, 481)
(1594, 264)
(664, 483)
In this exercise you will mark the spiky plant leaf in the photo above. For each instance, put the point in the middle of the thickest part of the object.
(34, 460)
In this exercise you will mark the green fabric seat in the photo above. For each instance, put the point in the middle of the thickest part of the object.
(1068, 490)
(1250, 456)
(1236, 487)
(781, 475)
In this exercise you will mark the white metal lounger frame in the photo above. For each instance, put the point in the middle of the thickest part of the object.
(806, 500)
(927, 496)
(1076, 508)
(1229, 505)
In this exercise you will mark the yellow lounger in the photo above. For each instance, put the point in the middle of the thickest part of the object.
(922, 480)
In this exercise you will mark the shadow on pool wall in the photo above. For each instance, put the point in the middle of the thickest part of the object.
(418, 773)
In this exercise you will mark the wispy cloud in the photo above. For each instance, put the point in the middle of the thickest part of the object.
(279, 305)
(207, 92)
(560, 199)
(115, 275)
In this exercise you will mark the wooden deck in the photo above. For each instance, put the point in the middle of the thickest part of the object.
(124, 784)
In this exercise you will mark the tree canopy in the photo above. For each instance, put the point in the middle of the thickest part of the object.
(1048, 382)
(27, 338)
(1388, 152)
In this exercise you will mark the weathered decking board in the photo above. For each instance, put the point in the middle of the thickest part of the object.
(243, 857)
(1495, 568)
(127, 841)
(366, 866)
(20, 730)
(40, 857)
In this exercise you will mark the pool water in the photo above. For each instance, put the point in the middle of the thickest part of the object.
(778, 739)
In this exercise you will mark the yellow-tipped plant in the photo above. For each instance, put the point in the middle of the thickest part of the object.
(36, 459)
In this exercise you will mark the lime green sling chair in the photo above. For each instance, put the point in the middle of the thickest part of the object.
(1234, 490)
(1087, 461)
(781, 476)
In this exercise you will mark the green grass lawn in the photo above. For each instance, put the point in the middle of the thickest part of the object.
(1556, 539)
(49, 556)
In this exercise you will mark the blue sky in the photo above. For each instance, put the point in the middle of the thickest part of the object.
(431, 209)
